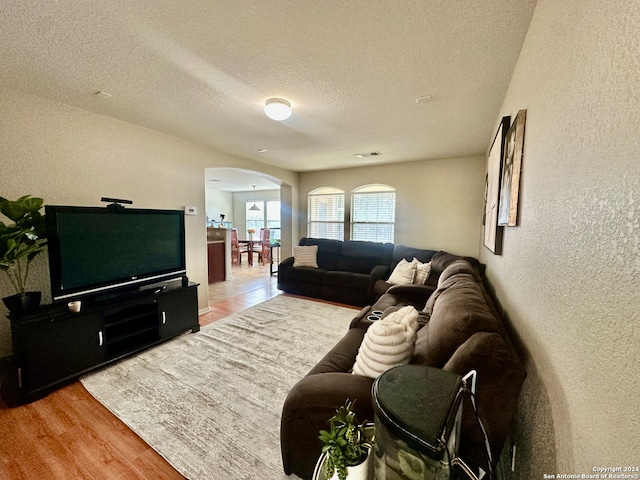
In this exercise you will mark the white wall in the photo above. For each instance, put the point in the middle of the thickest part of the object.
(219, 202)
(438, 202)
(233, 204)
(72, 157)
(568, 277)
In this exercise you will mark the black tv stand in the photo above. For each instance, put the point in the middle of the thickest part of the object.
(136, 292)
(156, 289)
(53, 346)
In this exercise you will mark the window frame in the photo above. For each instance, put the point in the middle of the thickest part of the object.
(265, 221)
(331, 224)
(357, 195)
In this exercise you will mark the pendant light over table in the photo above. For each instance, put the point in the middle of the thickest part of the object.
(255, 207)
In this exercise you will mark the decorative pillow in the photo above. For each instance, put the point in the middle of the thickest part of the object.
(422, 272)
(388, 343)
(404, 273)
(305, 256)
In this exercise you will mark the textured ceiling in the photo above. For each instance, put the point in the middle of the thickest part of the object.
(352, 70)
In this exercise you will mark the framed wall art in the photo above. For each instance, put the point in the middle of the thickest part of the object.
(492, 231)
(511, 166)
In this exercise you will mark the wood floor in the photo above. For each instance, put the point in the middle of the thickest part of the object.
(69, 435)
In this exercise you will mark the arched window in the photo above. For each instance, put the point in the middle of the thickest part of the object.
(373, 213)
(325, 211)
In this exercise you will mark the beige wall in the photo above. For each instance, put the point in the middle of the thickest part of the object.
(438, 202)
(239, 206)
(72, 157)
(568, 277)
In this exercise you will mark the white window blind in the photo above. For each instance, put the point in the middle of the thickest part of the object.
(273, 219)
(325, 212)
(373, 213)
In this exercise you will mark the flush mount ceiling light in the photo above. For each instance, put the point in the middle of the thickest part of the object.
(277, 109)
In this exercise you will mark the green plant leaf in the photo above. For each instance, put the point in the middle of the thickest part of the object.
(18, 209)
(23, 240)
(345, 443)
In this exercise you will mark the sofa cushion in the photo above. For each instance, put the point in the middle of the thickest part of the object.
(308, 406)
(441, 260)
(360, 257)
(500, 376)
(457, 309)
(346, 280)
(328, 251)
(404, 273)
(457, 267)
(345, 294)
(305, 256)
(305, 275)
(388, 343)
(409, 253)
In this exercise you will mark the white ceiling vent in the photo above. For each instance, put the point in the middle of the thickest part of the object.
(101, 94)
(367, 154)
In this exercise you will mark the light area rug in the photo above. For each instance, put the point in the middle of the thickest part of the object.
(210, 403)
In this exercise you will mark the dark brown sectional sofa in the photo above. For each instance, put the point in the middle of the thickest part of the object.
(355, 272)
(460, 331)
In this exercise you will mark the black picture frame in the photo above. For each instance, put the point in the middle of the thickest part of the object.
(492, 231)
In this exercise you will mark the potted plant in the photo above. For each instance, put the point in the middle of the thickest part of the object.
(345, 445)
(20, 242)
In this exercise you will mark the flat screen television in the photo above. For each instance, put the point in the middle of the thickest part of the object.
(95, 250)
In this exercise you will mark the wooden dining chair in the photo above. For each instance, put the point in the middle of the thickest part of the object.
(264, 253)
(235, 247)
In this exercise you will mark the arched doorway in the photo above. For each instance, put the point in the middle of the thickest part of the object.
(231, 191)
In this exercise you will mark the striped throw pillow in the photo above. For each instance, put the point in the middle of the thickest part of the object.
(422, 272)
(388, 343)
(305, 256)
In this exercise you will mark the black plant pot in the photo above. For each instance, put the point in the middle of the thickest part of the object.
(22, 305)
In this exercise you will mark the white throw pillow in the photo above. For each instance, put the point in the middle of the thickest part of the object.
(422, 272)
(388, 343)
(305, 256)
(404, 273)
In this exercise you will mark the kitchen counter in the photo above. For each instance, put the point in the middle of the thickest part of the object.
(219, 254)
